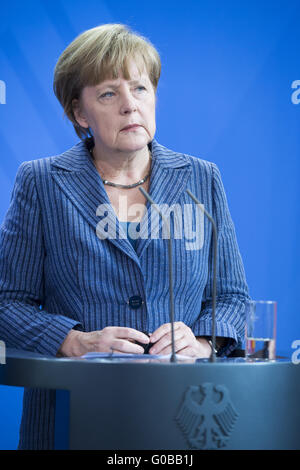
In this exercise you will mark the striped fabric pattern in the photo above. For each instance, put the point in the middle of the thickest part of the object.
(57, 270)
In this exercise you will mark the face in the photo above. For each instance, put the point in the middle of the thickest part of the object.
(121, 113)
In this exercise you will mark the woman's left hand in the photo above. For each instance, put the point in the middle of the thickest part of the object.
(186, 342)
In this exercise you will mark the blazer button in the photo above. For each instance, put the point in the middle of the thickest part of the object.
(135, 301)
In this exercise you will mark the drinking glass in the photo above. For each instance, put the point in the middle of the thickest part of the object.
(260, 337)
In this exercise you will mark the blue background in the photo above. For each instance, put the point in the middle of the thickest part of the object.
(225, 95)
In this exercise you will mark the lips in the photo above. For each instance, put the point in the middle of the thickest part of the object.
(131, 127)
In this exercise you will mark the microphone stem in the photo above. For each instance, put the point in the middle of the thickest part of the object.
(214, 283)
(172, 316)
(214, 293)
(173, 356)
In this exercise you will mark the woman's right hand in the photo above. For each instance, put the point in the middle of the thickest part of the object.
(117, 339)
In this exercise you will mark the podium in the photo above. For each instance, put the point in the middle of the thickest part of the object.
(152, 404)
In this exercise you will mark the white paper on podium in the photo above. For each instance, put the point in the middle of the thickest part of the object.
(123, 357)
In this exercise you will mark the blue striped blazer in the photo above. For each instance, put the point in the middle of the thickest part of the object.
(56, 271)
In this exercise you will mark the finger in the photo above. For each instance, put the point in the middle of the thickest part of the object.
(165, 343)
(160, 332)
(127, 347)
(131, 334)
(164, 351)
(163, 330)
(188, 351)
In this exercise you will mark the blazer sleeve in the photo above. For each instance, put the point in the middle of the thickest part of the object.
(23, 325)
(232, 289)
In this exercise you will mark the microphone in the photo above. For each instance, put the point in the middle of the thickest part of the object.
(173, 355)
(214, 287)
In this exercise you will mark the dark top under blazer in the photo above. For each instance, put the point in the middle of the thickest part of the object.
(55, 272)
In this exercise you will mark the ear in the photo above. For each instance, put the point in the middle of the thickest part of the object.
(79, 114)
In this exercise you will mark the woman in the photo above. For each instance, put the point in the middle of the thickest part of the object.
(66, 286)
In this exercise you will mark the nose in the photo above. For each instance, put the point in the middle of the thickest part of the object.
(128, 103)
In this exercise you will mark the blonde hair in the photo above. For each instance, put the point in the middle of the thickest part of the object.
(99, 54)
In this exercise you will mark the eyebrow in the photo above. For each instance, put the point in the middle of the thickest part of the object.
(111, 84)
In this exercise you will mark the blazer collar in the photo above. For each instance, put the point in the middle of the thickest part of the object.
(77, 176)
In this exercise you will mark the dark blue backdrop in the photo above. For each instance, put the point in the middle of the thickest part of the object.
(225, 95)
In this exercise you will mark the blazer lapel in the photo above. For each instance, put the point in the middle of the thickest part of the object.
(169, 177)
(77, 176)
(82, 184)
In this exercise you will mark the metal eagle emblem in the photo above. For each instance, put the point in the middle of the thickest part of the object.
(206, 416)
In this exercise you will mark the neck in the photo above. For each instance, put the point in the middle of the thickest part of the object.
(122, 167)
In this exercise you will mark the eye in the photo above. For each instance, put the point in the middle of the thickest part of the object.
(107, 94)
(140, 88)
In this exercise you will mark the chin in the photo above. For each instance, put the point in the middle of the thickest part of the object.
(135, 144)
